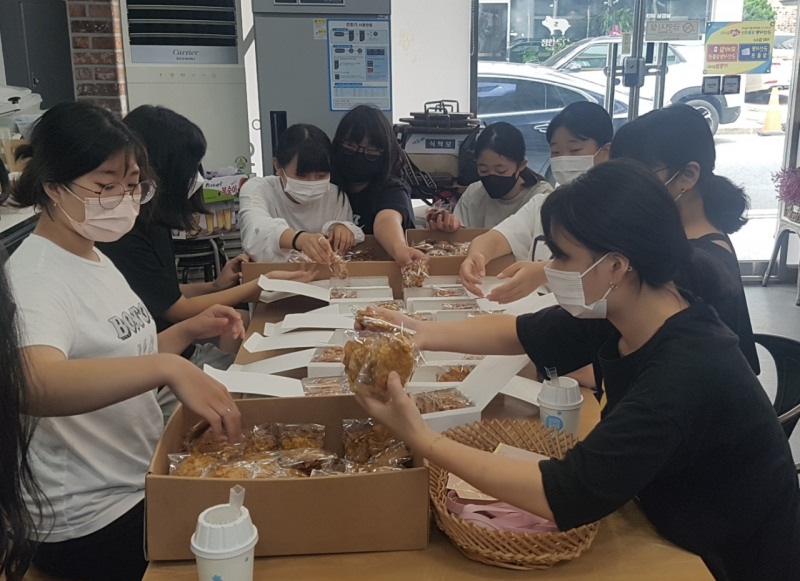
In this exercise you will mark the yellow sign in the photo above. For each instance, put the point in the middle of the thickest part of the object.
(736, 48)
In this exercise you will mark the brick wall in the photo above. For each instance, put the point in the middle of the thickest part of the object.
(97, 60)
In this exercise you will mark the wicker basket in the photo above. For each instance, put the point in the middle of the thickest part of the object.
(511, 550)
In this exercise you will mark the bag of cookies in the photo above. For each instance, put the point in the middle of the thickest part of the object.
(194, 465)
(291, 436)
(339, 467)
(414, 273)
(394, 457)
(370, 357)
(307, 459)
(457, 373)
(441, 400)
(328, 354)
(323, 386)
(364, 438)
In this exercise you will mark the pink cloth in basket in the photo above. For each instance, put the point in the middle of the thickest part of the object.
(498, 515)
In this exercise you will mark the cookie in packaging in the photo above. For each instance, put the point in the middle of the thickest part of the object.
(370, 357)
(456, 373)
(193, 465)
(414, 273)
(364, 438)
(338, 266)
(291, 436)
(392, 458)
(306, 459)
(371, 320)
(328, 354)
(441, 400)
(324, 386)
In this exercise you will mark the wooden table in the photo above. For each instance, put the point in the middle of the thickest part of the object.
(626, 548)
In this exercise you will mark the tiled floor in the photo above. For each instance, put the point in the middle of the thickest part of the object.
(772, 310)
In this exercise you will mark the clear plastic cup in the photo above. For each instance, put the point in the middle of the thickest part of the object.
(224, 544)
(560, 404)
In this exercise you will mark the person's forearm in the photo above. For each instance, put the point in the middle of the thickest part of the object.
(483, 335)
(78, 386)
(517, 482)
(286, 238)
(388, 229)
(196, 289)
(491, 245)
(186, 307)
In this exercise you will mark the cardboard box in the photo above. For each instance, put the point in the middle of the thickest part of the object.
(334, 514)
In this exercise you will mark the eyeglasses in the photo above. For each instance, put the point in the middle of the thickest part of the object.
(112, 195)
(370, 153)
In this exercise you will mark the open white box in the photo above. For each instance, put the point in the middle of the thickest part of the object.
(450, 358)
(359, 282)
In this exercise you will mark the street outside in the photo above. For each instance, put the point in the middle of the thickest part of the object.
(749, 160)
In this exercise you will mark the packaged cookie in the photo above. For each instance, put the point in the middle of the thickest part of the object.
(441, 400)
(338, 267)
(364, 438)
(456, 373)
(306, 459)
(343, 293)
(337, 468)
(415, 273)
(193, 465)
(261, 439)
(291, 436)
(329, 354)
(323, 386)
(370, 357)
(460, 306)
(371, 320)
(395, 456)
(421, 316)
(449, 291)
(398, 306)
(208, 443)
(237, 470)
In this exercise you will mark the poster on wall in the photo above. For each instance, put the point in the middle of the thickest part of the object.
(737, 48)
(359, 63)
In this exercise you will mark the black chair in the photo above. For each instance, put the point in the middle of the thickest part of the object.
(786, 353)
(206, 252)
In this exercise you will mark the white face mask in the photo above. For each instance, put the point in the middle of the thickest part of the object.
(669, 181)
(198, 182)
(304, 192)
(567, 286)
(101, 224)
(567, 168)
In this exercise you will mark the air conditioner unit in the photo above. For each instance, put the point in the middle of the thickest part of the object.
(186, 55)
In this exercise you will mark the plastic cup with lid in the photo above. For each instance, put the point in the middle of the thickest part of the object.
(224, 541)
(560, 402)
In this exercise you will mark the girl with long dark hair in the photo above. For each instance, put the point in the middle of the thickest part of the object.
(688, 430)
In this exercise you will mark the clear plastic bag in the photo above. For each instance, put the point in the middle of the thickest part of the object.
(415, 273)
(449, 291)
(364, 438)
(441, 400)
(439, 208)
(329, 354)
(370, 357)
(338, 468)
(395, 456)
(457, 373)
(398, 306)
(323, 386)
(338, 266)
(194, 465)
(371, 320)
(292, 436)
(307, 459)
(461, 306)
(339, 293)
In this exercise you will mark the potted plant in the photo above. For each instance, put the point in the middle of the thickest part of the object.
(787, 182)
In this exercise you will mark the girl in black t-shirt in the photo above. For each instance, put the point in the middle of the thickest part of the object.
(688, 429)
(367, 164)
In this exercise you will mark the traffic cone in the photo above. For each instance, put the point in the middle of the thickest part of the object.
(772, 122)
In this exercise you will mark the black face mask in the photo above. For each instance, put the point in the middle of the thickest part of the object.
(357, 169)
(498, 186)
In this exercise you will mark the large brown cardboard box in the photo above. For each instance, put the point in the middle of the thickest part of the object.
(334, 514)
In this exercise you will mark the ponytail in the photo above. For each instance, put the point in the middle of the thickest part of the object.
(530, 178)
(27, 191)
(725, 203)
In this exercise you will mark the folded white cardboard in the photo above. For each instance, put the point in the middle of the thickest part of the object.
(317, 321)
(297, 340)
(314, 291)
(277, 364)
(256, 383)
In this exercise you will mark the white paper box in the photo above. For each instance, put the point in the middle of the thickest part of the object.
(325, 369)
(449, 358)
(436, 304)
(359, 281)
(379, 293)
(429, 292)
(430, 373)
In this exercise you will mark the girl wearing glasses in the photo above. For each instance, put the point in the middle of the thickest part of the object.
(506, 183)
(367, 163)
(145, 256)
(688, 430)
(297, 208)
(93, 357)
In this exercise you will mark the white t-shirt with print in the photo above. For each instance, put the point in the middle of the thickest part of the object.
(265, 213)
(90, 466)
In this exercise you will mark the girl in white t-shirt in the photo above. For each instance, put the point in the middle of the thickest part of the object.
(579, 137)
(298, 208)
(93, 357)
(506, 183)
